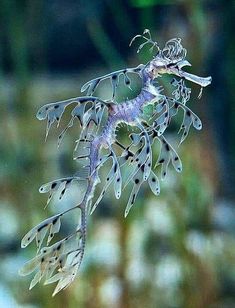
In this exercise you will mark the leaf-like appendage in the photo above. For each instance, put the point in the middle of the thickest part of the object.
(91, 85)
(53, 186)
(39, 231)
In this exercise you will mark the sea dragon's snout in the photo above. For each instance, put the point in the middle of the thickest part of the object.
(176, 70)
(165, 66)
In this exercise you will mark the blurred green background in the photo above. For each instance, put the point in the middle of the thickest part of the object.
(175, 250)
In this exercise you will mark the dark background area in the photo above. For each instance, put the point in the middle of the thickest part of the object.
(175, 250)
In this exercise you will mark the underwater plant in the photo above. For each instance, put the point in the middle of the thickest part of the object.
(96, 145)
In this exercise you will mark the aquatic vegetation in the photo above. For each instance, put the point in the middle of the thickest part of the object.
(99, 120)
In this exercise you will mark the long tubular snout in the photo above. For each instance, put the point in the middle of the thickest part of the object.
(202, 81)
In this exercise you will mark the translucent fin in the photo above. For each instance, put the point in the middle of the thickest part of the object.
(138, 180)
(181, 91)
(114, 81)
(66, 279)
(113, 173)
(154, 183)
(54, 111)
(54, 186)
(162, 121)
(167, 154)
(52, 257)
(91, 85)
(29, 267)
(54, 228)
(62, 134)
(118, 177)
(127, 81)
(136, 138)
(39, 231)
(139, 159)
(35, 280)
(189, 119)
(172, 107)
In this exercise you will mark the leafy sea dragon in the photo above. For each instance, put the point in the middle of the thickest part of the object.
(99, 120)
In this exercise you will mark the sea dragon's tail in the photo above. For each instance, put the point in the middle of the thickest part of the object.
(61, 261)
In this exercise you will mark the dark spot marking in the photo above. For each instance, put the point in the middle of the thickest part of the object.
(58, 247)
(56, 106)
(153, 180)
(114, 77)
(142, 168)
(176, 158)
(161, 161)
(188, 113)
(137, 181)
(54, 221)
(118, 179)
(155, 134)
(176, 105)
(40, 228)
(139, 164)
(147, 150)
(82, 100)
(164, 173)
(62, 193)
(115, 167)
(149, 164)
(107, 179)
(42, 260)
(133, 199)
(166, 114)
(167, 147)
(53, 185)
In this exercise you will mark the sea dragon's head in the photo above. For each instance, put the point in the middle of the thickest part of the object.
(170, 60)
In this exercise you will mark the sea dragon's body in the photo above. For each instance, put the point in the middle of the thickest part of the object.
(60, 261)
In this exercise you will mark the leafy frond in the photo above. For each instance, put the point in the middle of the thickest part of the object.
(114, 77)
